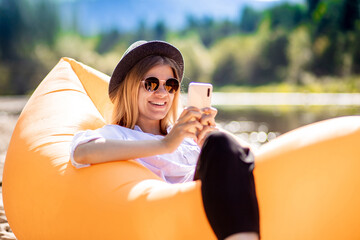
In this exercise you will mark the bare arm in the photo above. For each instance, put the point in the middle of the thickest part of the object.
(100, 150)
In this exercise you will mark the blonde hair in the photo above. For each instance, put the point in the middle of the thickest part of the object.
(125, 97)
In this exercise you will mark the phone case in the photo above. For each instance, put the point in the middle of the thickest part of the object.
(199, 95)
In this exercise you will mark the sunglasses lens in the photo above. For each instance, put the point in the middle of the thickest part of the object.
(151, 84)
(172, 85)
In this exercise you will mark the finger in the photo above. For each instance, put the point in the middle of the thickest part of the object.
(204, 134)
(189, 126)
(188, 109)
(189, 129)
(189, 114)
(192, 108)
(193, 126)
(190, 134)
(177, 135)
(205, 131)
(210, 110)
(207, 120)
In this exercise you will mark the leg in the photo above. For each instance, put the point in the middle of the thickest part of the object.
(228, 187)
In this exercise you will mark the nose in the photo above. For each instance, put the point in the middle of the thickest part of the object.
(161, 91)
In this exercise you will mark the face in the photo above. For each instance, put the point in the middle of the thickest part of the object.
(153, 106)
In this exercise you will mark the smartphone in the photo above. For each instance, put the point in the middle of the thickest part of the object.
(199, 95)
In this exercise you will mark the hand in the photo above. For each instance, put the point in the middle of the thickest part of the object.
(208, 121)
(208, 116)
(186, 126)
(202, 135)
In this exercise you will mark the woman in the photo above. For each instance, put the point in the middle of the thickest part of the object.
(145, 126)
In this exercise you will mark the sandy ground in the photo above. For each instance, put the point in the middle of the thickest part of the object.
(10, 108)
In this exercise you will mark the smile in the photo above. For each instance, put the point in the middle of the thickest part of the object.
(158, 103)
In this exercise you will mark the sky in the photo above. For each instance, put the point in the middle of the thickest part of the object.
(97, 15)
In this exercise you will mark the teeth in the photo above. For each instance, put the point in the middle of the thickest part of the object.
(159, 104)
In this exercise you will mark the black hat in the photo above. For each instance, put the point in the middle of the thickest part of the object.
(139, 50)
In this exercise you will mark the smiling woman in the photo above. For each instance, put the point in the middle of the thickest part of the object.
(147, 110)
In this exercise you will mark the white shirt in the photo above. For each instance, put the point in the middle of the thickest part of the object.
(176, 167)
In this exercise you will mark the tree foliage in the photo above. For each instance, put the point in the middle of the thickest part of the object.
(249, 20)
(23, 25)
(284, 43)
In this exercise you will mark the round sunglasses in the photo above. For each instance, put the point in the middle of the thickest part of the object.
(151, 84)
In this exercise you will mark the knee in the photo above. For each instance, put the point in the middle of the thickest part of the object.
(220, 141)
(224, 144)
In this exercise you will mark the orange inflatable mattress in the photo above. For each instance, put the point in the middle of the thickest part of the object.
(308, 180)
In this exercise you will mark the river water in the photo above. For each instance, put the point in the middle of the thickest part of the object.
(261, 117)
(261, 124)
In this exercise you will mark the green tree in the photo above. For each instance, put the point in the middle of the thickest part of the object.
(286, 15)
(142, 32)
(249, 20)
(198, 62)
(311, 6)
(272, 61)
(298, 54)
(226, 28)
(234, 59)
(206, 31)
(355, 50)
(205, 28)
(227, 72)
(45, 22)
(24, 25)
(160, 30)
(332, 26)
(351, 14)
(12, 26)
(108, 41)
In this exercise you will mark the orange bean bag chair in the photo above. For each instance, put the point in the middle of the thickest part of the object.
(307, 180)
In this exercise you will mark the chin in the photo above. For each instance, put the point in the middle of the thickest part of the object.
(160, 117)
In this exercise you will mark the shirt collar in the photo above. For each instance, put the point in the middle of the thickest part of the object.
(137, 128)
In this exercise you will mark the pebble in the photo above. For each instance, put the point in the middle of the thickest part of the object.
(5, 230)
(10, 107)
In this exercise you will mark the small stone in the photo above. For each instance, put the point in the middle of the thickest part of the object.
(3, 219)
(7, 236)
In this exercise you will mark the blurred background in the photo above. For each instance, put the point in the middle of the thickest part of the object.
(290, 62)
(276, 65)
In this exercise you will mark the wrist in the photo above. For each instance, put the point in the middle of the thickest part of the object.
(163, 146)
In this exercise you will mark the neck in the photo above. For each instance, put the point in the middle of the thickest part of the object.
(152, 127)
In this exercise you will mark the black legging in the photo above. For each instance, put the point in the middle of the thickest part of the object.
(228, 187)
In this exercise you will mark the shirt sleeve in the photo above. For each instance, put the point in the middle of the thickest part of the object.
(81, 138)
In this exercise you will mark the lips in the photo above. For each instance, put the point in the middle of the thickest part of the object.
(158, 103)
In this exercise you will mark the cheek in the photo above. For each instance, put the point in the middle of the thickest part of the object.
(141, 100)
(171, 100)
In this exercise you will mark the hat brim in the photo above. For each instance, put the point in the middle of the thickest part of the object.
(132, 57)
